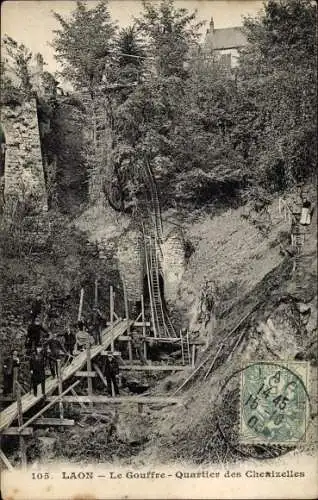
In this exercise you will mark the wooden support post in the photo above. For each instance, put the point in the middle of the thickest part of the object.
(20, 422)
(182, 347)
(130, 353)
(193, 355)
(89, 369)
(112, 308)
(96, 293)
(5, 461)
(80, 308)
(60, 388)
(101, 376)
(143, 325)
(111, 304)
(82, 405)
(188, 347)
(14, 383)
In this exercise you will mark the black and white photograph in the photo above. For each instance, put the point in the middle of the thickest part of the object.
(158, 249)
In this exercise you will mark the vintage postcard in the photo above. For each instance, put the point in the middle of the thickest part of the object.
(158, 250)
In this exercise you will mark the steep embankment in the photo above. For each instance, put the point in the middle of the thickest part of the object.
(279, 323)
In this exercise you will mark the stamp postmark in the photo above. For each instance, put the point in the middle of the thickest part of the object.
(274, 403)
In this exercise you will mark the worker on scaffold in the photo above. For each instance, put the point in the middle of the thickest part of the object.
(11, 363)
(111, 372)
(37, 371)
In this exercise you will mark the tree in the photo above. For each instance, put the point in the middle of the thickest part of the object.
(146, 119)
(277, 78)
(18, 64)
(84, 44)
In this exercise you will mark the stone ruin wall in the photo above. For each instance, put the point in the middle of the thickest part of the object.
(132, 267)
(173, 264)
(23, 172)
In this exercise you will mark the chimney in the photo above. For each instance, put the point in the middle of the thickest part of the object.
(212, 25)
(39, 62)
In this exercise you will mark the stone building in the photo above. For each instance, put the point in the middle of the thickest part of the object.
(224, 43)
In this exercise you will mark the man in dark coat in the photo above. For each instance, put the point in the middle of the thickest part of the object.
(10, 363)
(36, 308)
(53, 349)
(111, 371)
(69, 340)
(97, 325)
(36, 334)
(37, 370)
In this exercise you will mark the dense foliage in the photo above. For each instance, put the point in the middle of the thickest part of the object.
(208, 134)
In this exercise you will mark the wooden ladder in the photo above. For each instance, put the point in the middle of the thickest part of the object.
(185, 349)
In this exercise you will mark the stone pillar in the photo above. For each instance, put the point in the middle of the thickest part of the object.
(173, 264)
(131, 265)
(23, 174)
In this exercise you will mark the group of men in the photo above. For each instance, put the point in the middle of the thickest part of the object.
(44, 349)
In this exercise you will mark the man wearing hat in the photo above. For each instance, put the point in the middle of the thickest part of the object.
(111, 371)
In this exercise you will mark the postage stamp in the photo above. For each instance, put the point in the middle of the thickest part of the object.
(274, 403)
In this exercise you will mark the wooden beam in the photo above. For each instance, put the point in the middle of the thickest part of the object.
(118, 399)
(76, 395)
(52, 401)
(89, 368)
(112, 310)
(20, 422)
(96, 293)
(80, 307)
(193, 355)
(143, 325)
(101, 376)
(130, 353)
(85, 374)
(60, 388)
(54, 421)
(154, 368)
(163, 340)
(14, 383)
(213, 361)
(5, 461)
(14, 431)
(136, 323)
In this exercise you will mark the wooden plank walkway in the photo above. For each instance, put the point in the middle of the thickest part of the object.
(9, 414)
(122, 399)
(153, 368)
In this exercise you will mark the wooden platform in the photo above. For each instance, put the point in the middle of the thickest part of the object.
(154, 368)
(9, 414)
(121, 399)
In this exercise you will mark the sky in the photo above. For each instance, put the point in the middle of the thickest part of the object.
(31, 21)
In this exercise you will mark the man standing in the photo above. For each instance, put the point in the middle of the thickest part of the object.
(10, 363)
(137, 344)
(111, 371)
(53, 349)
(97, 323)
(82, 337)
(36, 308)
(69, 340)
(37, 371)
(36, 334)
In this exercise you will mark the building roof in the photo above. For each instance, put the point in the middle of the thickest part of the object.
(226, 38)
